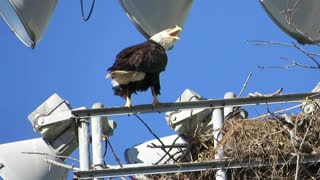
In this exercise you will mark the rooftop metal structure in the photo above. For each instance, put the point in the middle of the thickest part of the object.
(218, 164)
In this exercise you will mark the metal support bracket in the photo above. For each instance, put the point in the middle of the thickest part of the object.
(42, 120)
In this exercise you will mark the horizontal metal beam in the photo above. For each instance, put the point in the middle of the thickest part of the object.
(213, 103)
(132, 170)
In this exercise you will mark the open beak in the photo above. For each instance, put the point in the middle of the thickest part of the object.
(174, 32)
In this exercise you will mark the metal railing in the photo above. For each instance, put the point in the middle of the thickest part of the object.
(213, 103)
(219, 104)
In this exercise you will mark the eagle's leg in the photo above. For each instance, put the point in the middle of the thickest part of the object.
(155, 96)
(128, 98)
(155, 88)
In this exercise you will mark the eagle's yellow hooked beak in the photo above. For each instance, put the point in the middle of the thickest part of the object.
(174, 32)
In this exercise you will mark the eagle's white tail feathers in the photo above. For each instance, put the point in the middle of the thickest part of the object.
(114, 83)
(125, 77)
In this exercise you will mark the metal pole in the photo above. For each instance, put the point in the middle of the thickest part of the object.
(83, 133)
(228, 109)
(217, 119)
(97, 147)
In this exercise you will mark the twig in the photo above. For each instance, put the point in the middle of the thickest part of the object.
(106, 138)
(150, 130)
(264, 43)
(225, 138)
(281, 111)
(113, 151)
(293, 45)
(55, 156)
(168, 152)
(236, 109)
(257, 94)
(167, 146)
(307, 54)
(300, 147)
(285, 125)
(276, 112)
(293, 64)
(297, 150)
(306, 133)
(280, 131)
(62, 165)
(294, 140)
(245, 84)
(297, 167)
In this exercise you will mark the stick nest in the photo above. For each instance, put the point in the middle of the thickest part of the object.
(266, 140)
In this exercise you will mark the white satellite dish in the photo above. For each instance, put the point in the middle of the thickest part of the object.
(151, 17)
(23, 160)
(299, 19)
(149, 152)
(28, 19)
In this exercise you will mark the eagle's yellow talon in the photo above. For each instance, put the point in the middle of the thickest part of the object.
(128, 103)
(155, 102)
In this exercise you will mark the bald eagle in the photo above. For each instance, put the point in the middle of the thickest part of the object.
(138, 67)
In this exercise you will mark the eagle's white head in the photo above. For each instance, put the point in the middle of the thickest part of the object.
(167, 38)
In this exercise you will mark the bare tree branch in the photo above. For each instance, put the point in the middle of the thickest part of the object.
(312, 56)
(307, 54)
(293, 64)
(264, 43)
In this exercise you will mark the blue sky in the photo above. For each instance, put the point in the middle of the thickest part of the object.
(211, 58)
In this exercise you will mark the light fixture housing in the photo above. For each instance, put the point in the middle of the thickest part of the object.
(151, 17)
(28, 19)
(61, 134)
(185, 122)
(299, 19)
